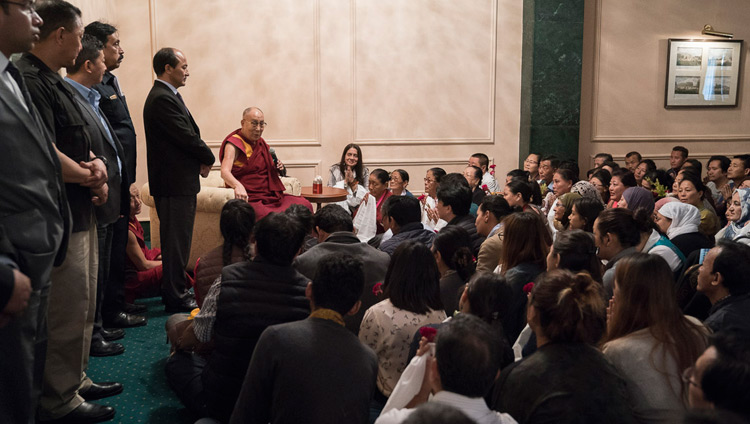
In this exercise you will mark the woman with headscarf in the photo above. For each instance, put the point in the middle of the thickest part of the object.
(563, 209)
(680, 221)
(587, 190)
(738, 215)
(637, 197)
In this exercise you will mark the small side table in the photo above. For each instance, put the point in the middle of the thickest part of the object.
(329, 195)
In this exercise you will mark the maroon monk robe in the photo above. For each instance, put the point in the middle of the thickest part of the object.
(259, 176)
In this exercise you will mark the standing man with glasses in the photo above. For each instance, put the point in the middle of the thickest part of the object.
(251, 168)
(176, 156)
(34, 213)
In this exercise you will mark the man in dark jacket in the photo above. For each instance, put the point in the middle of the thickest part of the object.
(723, 279)
(454, 203)
(249, 297)
(404, 217)
(335, 235)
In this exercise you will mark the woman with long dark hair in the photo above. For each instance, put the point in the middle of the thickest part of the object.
(412, 300)
(649, 340)
(524, 195)
(452, 250)
(350, 168)
(583, 214)
(575, 250)
(691, 191)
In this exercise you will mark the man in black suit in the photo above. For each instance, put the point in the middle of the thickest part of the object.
(176, 155)
(115, 312)
(33, 221)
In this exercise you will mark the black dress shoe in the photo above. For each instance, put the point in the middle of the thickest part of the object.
(86, 413)
(184, 306)
(132, 308)
(125, 320)
(112, 334)
(104, 348)
(101, 390)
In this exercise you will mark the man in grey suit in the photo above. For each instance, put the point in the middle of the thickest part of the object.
(335, 235)
(33, 221)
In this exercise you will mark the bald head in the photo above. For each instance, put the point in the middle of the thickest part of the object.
(253, 122)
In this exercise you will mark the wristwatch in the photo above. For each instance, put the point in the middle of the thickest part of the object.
(103, 159)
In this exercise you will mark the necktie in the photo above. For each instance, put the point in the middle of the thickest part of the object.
(16, 74)
(183, 102)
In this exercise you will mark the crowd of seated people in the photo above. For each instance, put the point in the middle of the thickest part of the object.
(622, 297)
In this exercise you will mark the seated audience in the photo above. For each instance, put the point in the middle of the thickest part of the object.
(517, 173)
(586, 189)
(430, 216)
(720, 379)
(718, 183)
(680, 221)
(621, 180)
(481, 161)
(339, 385)
(583, 214)
(692, 192)
(402, 215)
(454, 203)
(567, 379)
(526, 242)
(676, 159)
(411, 300)
(601, 180)
(563, 183)
(252, 170)
(452, 250)
(617, 235)
(611, 166)
(634, 198)
(695, 164)
(464, 368)
(399, 181)
(739, 168)
(244, 301)
(378, 185)
(723, 278)
(305, 217)
(524, 195)
(336, 236)
(575, 251)
(738, 215)
(350, 168)
(644, 167)
(490, 215)
(632, 159)
(563, 210)
(649, 341)
(547, 168)
(236, 224)
(473, 176)
(531, 165)
(600, 158)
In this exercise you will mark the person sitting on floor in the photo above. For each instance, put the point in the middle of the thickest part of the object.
(143, 270)
(402, 215)
(236, 224)
(247, 298)
(252, 170)
(338, 388)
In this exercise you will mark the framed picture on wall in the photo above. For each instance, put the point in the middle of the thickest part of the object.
(703, 73)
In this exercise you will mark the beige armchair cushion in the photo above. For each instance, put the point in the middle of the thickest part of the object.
(210, 200)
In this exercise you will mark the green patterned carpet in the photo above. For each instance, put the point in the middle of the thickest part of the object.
(146, 398)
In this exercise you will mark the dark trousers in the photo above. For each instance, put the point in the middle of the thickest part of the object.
(104, 234)
(22, 356)
(184, 370)
(176, 218)
(114, 296)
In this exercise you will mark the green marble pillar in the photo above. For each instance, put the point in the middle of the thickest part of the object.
(551, 79)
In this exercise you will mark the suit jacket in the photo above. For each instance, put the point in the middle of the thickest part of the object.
(109, 212)
(345, 242)
(174, 148)
(116, 110)
(34, 212)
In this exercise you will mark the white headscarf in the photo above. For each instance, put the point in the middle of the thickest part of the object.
(685, 218)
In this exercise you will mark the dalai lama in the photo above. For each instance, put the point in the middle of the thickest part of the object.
(248, 167)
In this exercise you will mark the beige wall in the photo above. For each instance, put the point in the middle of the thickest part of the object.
(416, 83)
(624, 74)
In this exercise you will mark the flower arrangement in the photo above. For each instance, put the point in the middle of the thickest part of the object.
(659, 190)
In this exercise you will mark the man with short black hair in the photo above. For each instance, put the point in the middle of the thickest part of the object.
(248, 297)
(335, 236)
(676, 159)
(338, 387)
(739, 168)
(403, 216)
(600, 158)
(547, 168)
(176, 156)
(723, 279)
(481, 161)
(465, 366)
(632, 159)
(454, 203)
(718, 183)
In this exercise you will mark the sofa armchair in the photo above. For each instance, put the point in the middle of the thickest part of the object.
(210, 200)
